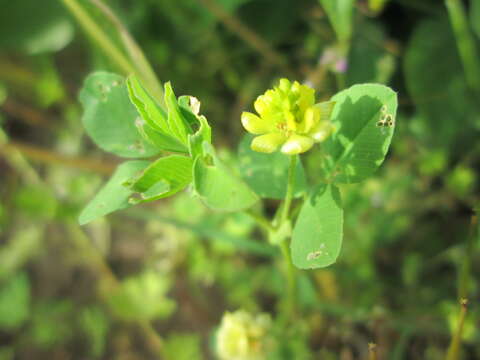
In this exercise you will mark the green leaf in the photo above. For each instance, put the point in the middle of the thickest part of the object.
(163, 178)
(217, 187)
(109, 117)
(318, 232)
(176, 122)
(14, 302)
(340, 14)
(149, 109)
(359, 145)
(34, 26)
(267, 174)
(114, 195)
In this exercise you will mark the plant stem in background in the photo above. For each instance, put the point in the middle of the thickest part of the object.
(464, 278)
(109, 282)
(137, 56)
(455, 345)
(465, 43)
(372, 351)
(138, 64)
(99, 36)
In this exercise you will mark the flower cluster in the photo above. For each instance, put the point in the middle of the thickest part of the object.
(289, 119)
(243, 336)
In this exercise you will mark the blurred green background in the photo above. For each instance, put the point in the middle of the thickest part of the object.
(154, 282)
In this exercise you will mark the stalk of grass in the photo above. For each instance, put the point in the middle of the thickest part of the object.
(456, 343)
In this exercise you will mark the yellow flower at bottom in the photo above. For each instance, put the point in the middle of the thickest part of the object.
(289, 119)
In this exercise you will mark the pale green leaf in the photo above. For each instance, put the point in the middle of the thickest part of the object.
(361, 140)
(318, 232)
(148, 108)
(177, 123)
(267, 174)
(109, 117)
(114, 195)
(217, 187)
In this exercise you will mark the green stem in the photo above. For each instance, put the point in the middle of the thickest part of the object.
(261, 221)
(284, 245)
(455, 345)
(290, 187)
(291, 278)
(99, 36)
(465, 43)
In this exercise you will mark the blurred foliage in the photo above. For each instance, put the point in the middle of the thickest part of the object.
(87, 292)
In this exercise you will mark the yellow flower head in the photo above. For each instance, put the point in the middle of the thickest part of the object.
(288, 119)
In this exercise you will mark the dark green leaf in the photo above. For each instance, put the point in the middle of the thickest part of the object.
(318, 232)
(34, 26)
(436, 82)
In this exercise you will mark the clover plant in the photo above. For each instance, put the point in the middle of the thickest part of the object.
(169, 147)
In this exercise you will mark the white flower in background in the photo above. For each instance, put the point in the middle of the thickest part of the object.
(243, 336)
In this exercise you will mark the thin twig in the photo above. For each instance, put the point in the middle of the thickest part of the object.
(50, 157)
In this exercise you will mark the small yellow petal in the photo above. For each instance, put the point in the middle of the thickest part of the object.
(285, 85)
(297, 144)
(268, 143)
(310, 119)
(256, 125)
(322, 131)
